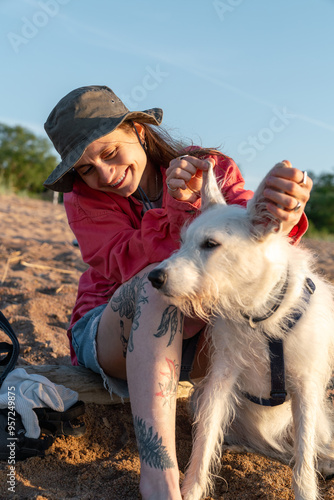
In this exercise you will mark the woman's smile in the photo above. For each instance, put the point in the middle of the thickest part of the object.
(120, 181)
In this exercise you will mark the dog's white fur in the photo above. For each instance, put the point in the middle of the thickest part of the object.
(231, 262)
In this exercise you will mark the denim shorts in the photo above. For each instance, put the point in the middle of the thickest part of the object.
(84, 344)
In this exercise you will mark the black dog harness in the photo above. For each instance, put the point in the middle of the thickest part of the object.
(278, 392)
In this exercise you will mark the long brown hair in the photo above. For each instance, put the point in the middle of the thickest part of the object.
(162, 147)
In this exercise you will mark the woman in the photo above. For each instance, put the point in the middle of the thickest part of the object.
(129, 188)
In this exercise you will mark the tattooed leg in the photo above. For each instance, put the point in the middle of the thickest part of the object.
(151, 450)
(153, 372)
(169, 383)
(154, 333)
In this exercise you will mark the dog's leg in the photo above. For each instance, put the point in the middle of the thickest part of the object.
(213, 413)
(304, 409)
(325, 441)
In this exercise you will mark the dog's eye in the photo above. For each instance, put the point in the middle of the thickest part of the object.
(208, 244)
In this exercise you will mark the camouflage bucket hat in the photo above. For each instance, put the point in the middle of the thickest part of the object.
(81, 117)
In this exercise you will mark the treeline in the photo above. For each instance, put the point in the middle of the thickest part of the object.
(320, 207)
(26, 161)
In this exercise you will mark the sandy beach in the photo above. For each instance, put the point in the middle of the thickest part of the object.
(39, 272)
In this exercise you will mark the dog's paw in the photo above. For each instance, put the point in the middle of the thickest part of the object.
(235, 448)
(326, 468)
(194, 493)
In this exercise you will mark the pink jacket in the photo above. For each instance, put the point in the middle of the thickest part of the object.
(117, 241)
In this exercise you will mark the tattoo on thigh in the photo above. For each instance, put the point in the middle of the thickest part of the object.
(129, 296)
(168, 388)
(123, 338)
(128, 303)
(170, 319)
(151, 450)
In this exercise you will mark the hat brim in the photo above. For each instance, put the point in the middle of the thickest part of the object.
(62, 177)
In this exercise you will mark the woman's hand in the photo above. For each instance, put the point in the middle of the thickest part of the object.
(287, 191)
(184, 177)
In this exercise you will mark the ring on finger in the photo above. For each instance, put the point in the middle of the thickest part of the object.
(183, 156)
(170, 188)
(297, 207)
(303, 182)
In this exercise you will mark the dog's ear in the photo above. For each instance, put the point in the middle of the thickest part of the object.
(210, 192)
(262, 222)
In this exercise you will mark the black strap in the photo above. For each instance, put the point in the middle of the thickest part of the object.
(276, 351)
(13, 351)
(275, 306)
(145, 199)
(7, 349)
(308, 290)
(278, 392)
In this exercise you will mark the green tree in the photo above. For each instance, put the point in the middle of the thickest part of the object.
(320, 208)
(25, 159)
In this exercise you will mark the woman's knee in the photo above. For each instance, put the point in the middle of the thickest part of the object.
(135, 302)
(135, 294)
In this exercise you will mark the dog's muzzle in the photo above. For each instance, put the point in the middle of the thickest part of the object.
(158, 278)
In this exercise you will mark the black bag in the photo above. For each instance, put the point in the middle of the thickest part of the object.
(11, 351)
(14, 445)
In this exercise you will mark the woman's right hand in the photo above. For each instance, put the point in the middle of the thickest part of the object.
(185, 177)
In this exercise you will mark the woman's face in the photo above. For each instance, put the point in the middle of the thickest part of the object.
(115, 163)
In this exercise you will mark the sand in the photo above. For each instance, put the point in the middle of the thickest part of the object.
(39, 271)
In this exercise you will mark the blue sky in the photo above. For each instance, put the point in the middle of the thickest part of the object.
(254, 77)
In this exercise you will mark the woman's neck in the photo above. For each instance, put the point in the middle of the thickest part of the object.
(150, 183)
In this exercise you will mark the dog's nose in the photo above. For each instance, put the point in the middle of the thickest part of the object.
(157, 277)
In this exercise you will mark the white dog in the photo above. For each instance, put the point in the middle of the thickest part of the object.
(262, 298)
